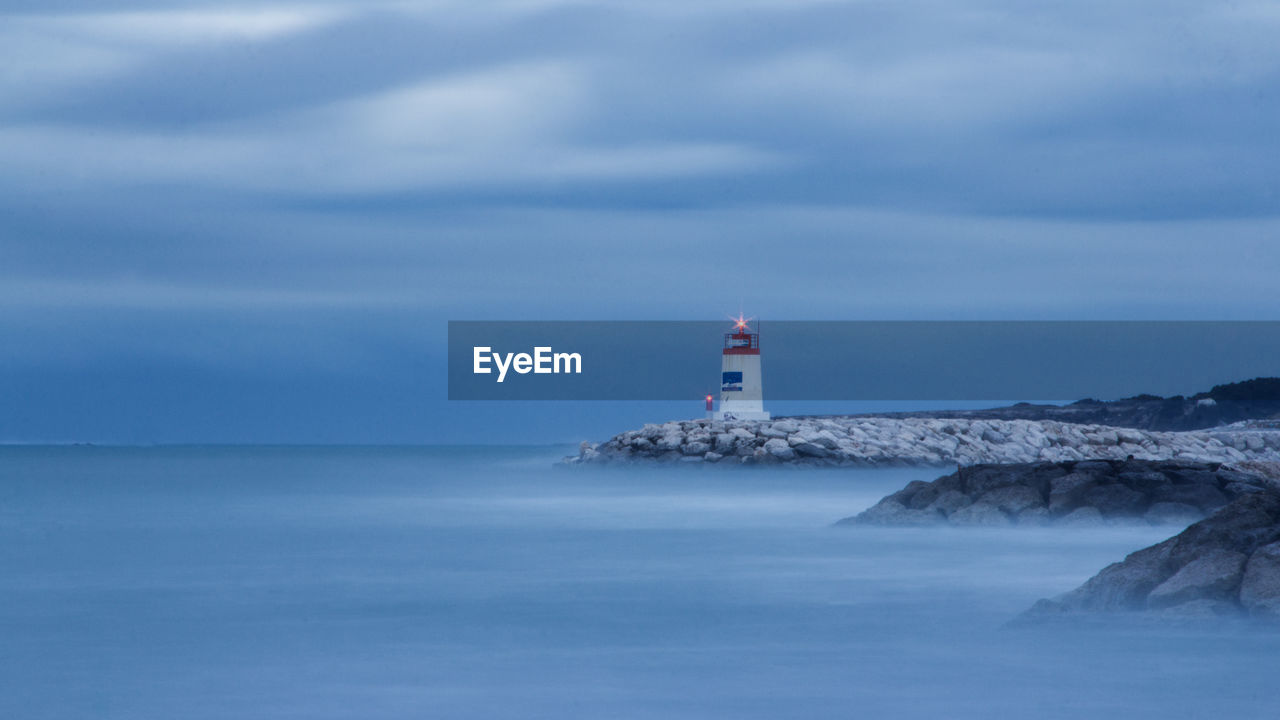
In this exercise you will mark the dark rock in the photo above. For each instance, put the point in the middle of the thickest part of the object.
(1204, 496)
(980, 479)
(1013, 499)
(1234, 490)
(949, 502)
(1115, 500)
(1123, 585)
(1067, 491)
(1245, 525)
(1076, 493)
(924, 497)
(1228, 562)
(1213, 575)
(1094, 467)
(1260, 588)
(1228, 476)
(908, 493)
(950, 482)
(1144, 481)
(1193, 476)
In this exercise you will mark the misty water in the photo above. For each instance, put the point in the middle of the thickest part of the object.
(484, 583)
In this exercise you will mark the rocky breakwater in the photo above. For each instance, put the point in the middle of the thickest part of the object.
(883, 441)
(1090, 492)
(1225, 565)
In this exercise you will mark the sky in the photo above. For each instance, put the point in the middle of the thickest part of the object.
(251, 222)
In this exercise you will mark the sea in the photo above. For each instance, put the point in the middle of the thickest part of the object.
(488, 583)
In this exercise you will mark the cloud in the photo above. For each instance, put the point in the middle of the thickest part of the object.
(983, 107)
(183, 27)
(498, 127)
(324, 184)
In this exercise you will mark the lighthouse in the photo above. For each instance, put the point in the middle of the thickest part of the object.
(741, 392)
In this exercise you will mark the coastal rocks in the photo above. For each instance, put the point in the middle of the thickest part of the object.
(1226, 564)
(1067, 493)
(849, 441)
(779, 449)
(1260, 587)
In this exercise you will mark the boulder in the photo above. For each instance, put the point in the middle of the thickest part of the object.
(810, 450)
(980, 479)
(1115, 500)
(772, 431)
(949, 501)
(1214, 575)
(779, 448)
(1013, 499)
(1075, 492)
(1260, 587)
(825, 439)
(1205, 496)
(695, 448)
(1145, 482)
(1228, 562)
(1066, 491)
(785, 427)
(1120, 586)
(1094, 467)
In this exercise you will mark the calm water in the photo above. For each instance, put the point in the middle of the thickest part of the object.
(482, 583)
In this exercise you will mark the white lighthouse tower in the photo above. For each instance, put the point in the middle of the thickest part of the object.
(741, 391)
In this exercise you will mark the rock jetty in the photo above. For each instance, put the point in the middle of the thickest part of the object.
(1227, 564)
(895, 441)
(1091, 492)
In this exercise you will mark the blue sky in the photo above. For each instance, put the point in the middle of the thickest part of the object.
(251, 221)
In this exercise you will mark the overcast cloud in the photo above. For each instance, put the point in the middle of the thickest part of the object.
(281, 205)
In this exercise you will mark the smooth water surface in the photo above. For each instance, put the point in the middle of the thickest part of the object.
(484, 583)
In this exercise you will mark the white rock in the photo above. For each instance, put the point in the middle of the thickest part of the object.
(786, 427)
(779, 449)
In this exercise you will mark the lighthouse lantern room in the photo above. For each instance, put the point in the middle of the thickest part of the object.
(741, 392)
